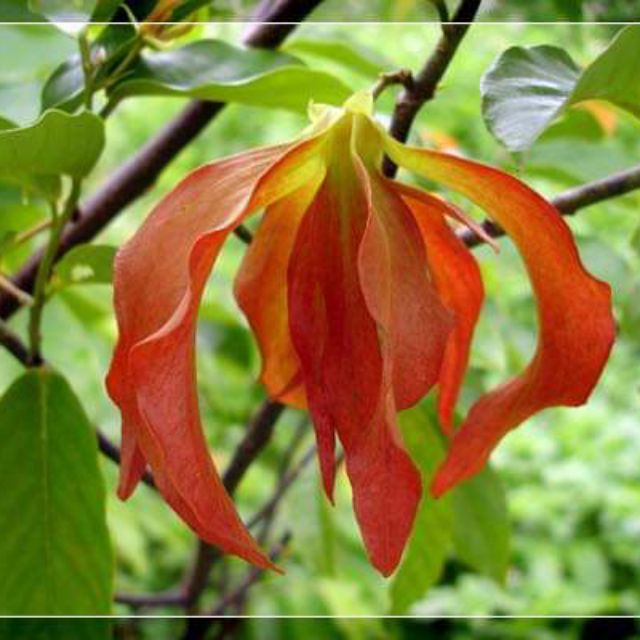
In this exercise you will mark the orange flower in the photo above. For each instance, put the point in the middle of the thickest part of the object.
(362, 298)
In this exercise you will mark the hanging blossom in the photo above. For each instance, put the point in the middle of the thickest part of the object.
(362, 298)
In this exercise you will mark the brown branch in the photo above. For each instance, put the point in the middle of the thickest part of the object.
(138, 174)
(426, 81)
(572, 200)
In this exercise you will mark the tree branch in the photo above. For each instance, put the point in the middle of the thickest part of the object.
(425, 82)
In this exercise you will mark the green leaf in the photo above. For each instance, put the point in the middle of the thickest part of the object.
(426, 552)
(17, 11)
(481, 530)
(214, 70)
(85, 264)
(33, 51)
(55, 554)
(358, 58)
(64, 10)
(57, 144)
(55, 629)
(526, 89)
(615, 75)
(64, 88)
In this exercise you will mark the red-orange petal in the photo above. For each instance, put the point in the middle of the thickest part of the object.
(394, 272)
(261, 292)
(158, 280)
(457, 278)
(576, 323)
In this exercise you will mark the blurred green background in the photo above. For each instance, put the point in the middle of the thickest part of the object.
(571, 476)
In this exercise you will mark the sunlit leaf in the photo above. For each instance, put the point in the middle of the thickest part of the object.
(214, 70)
(55, 557)
(57, 144)
(524, 91)
(615, 75)
(527, 88)
(64, 89)
(353, 56)
(32, 51)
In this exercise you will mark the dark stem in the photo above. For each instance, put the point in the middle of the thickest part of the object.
(426, 81)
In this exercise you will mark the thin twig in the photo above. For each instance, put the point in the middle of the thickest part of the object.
(44, 270)
(426, 81)
(143, 600)
(401, 76)
(286, 481)
(252, 576)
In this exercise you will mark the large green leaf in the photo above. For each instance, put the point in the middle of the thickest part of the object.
(615, 75)
(55, 555)
(481, 529)
(57, 144)
(33, 51)
(214, 70)
(524, 90)
(353, 56)
(64, 89)
(430, 541)
(527, 88)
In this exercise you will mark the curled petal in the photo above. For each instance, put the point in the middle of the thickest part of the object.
(158, 281)
(574, 309)
(458, 281)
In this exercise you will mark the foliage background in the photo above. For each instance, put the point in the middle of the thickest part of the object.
(571, 475)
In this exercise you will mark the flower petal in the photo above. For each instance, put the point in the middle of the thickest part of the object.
(261, 292)
(574, 309)
(394, 272)
(347, 381)
(158, 280)
(457, 278)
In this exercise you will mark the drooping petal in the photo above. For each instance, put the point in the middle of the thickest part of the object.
(457, 278)
(346, 368)
(574, 309)
(413, 323)
(261, 292)
(158, 281)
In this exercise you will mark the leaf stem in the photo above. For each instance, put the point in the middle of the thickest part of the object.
(58, 222)
(87, 69)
